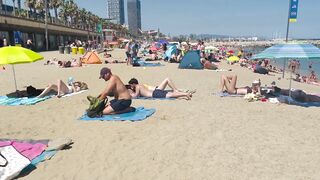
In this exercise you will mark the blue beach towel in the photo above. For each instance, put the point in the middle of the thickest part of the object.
(140, 114)
(225, 94)
(7, 101)
(146, 64)
(290, 101)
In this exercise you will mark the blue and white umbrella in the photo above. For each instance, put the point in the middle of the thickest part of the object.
(290, 51)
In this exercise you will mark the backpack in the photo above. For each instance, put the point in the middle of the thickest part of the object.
(96, 106)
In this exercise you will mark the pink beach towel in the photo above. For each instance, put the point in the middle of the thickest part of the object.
(28, 150)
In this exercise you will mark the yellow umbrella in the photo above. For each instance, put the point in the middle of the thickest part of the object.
(233, 59)
(17, 55)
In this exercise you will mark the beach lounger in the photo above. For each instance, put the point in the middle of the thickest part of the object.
(139, 114)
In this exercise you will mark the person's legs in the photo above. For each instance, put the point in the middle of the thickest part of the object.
(229, 82)
(108, 110)
(178, 95)
(62, 88)
(167, 82)
(48, 89)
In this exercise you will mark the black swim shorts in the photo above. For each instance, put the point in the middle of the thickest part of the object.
(158, 93)
(120, 104)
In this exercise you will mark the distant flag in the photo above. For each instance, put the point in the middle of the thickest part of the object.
(293, 11)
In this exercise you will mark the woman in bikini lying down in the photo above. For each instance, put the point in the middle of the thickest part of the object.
(228, 84)
(62, 88)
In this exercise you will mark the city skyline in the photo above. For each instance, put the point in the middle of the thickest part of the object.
(226, 17)
(134, 15)
(115, 11)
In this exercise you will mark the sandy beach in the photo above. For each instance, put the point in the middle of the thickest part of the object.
(208, 137)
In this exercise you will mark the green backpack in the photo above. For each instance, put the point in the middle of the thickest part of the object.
(96, 106)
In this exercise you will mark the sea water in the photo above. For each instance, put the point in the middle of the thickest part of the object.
(304, 63)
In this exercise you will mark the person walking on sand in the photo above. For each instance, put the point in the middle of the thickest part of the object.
(122, 99)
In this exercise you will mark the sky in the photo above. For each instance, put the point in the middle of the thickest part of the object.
(266, 18)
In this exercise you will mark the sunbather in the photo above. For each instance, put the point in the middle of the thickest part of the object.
(122, 99)
(157, 92)
(62, 88)
(228, 83)
(297, 94)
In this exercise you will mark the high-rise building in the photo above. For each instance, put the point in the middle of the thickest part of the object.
(115, 11)
(134, 16)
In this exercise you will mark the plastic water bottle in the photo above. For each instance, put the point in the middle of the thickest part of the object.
(70, 80)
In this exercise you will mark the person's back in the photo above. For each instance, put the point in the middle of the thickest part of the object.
(144, 91)
(120, 91)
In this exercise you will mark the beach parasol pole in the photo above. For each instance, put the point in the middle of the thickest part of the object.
(288, 22)
(14, 77)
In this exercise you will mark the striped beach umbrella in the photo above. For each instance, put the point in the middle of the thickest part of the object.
(289, 51)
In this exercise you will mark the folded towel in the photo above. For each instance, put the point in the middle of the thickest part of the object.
(140, 114)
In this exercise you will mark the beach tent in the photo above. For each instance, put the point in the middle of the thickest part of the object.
(163, 41)
(191, 61)
(91, 58)
(171, 50)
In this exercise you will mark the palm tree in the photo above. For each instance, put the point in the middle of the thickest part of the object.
(19, 6)
(30, 4)
(63, 13)
(14, 7)
(55, 4)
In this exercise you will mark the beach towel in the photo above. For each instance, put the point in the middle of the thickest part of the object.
(75, 93)
(147, 64)
(288, 100)
(140, 114)
(150, 98)
(19, 157)
(8, 101)
(11, 162)
(225, 94)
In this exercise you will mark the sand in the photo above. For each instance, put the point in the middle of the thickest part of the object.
(206, 138)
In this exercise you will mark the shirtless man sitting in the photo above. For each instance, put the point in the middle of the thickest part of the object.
(137, 90)
(122, 99)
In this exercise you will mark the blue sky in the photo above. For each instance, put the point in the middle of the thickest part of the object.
(224, 17)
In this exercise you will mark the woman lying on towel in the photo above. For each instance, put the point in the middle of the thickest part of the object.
(228, 84)
(62, 88)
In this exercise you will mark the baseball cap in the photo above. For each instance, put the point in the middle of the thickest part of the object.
(104, 71)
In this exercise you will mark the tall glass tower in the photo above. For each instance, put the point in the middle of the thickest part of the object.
(115, 11)
(134, 16)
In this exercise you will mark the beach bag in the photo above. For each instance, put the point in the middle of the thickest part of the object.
(11, 162)
(96, 106)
